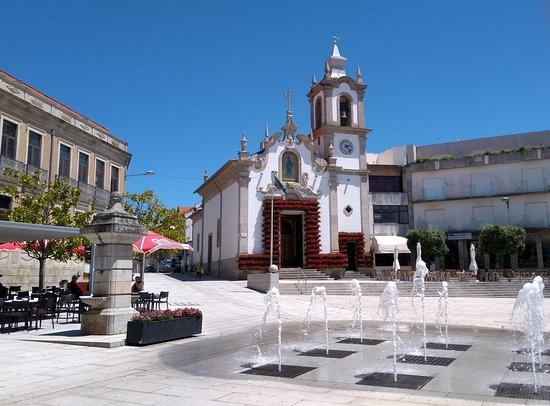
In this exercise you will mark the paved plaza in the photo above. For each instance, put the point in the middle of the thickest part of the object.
(46, 367)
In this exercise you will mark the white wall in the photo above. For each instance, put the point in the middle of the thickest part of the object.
(230, 226)
(349, 193)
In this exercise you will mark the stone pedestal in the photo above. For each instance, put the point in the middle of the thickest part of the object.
(113, 232)
(262, 282)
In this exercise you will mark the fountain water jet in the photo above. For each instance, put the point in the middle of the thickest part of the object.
(388, 308)
(528, 308)
(318, 290)
(271, 301)
(442, 312)
(355, 288)
(419, 290)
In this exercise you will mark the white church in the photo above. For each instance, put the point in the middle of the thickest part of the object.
(323, 219)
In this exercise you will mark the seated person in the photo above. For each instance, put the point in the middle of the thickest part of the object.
(137, 285)
(74, 288)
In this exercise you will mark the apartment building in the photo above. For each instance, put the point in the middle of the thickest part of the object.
(42, 134)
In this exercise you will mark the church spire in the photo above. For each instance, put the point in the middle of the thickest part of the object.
(334, 66)
(290, 127)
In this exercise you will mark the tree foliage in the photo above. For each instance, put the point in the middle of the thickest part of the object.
(431, 241)
(502, 239)
(53, 203)
(155, 216)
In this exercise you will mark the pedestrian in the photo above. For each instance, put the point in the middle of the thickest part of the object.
(73, 286)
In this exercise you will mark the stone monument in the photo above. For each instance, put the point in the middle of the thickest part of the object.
(113, 231)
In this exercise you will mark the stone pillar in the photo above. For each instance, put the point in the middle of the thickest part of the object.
(113, 231)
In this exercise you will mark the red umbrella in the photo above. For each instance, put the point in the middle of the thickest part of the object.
(10, 246)
(153, 241)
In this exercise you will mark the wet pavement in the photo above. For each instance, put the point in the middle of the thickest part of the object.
(228, 364)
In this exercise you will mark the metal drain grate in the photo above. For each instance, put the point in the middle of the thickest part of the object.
(528, 351)
(365, 341)
(528, 367)
(450, 347)
(521, 391)
(320, 352)
(387, 380)
(419, 359)
(287, 371)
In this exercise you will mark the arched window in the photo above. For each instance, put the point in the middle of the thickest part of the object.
(290, 167)
(345, 111)
(318, 112)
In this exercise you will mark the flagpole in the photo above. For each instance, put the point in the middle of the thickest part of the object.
(271, 239)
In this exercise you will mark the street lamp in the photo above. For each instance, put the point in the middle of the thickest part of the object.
(507, 201)
(147, 173)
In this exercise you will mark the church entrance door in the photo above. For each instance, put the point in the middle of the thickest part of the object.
(352, 254)
(292, 240)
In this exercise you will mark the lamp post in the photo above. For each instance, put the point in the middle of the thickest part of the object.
(507, 201)
(146, 173)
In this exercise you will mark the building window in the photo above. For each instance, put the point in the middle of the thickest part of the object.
(533, 180)
(290, 167)
(390, 214)
(198, 243)
(385, 184)
(64, 161)
(83, 163)
(114, 178)
(318, 112)
(345, 111)
(9, 139)
(433, 189)
(33, 151)
(481, 184)
(100, 174)
(5, 202)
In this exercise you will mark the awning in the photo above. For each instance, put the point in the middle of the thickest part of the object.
(14, 231)
(385, 244)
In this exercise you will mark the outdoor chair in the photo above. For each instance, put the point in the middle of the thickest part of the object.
(47, 308)
(68, 305)
(144, 301)
(162, 298)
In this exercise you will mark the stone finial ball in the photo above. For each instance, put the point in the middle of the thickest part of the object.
(273, 268)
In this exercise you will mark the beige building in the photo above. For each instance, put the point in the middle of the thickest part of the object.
(40, 133)
(459, 186)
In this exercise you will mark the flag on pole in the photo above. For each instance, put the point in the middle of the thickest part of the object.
(279, 185)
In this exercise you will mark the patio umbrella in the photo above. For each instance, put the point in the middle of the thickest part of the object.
(153, 242)
(396, 266)
(10, 246)
(473, 264)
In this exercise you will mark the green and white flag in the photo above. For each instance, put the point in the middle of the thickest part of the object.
(279, 185)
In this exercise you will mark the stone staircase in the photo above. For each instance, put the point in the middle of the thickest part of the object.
(298, 273)
(500, 289)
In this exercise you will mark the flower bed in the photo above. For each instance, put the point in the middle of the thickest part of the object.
(163, 325)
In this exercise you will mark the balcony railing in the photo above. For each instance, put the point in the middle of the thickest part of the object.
(433, 193)
(538, 220)
(6, 162)
(533, 185)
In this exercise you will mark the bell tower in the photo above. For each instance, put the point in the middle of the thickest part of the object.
(337, 107)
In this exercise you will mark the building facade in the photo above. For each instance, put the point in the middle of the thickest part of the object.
(41, 134)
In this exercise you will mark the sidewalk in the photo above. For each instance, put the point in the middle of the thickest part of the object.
(207, 369)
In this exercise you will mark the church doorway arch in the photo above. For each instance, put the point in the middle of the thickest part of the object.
(292, 240)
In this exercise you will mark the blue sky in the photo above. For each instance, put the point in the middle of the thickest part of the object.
(182, 80)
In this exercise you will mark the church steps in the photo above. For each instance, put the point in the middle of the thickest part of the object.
(455, 289)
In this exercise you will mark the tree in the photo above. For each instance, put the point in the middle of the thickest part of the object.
(431, 241)
(501, 239)
(46, 202)
(153, 215)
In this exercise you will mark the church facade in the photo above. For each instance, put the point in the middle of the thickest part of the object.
(322, 218)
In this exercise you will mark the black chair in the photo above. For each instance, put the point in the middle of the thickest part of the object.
(68, 305)
(144, 301)
(46, 308)
(15, 312)
(161, 298)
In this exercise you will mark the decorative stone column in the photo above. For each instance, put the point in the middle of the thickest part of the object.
(113, 231)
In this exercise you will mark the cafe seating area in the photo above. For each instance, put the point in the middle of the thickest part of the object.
(147, 301)
(20, 309)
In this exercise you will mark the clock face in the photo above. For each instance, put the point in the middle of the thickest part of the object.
(346, 146)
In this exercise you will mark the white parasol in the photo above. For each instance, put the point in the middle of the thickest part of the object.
(473, 264)
(396, 266)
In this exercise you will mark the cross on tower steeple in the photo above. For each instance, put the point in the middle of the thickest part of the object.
(288, 95)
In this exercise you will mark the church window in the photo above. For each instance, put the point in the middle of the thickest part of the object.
(348, 210)
(318, 112)
(290, 167)
(345, 111)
